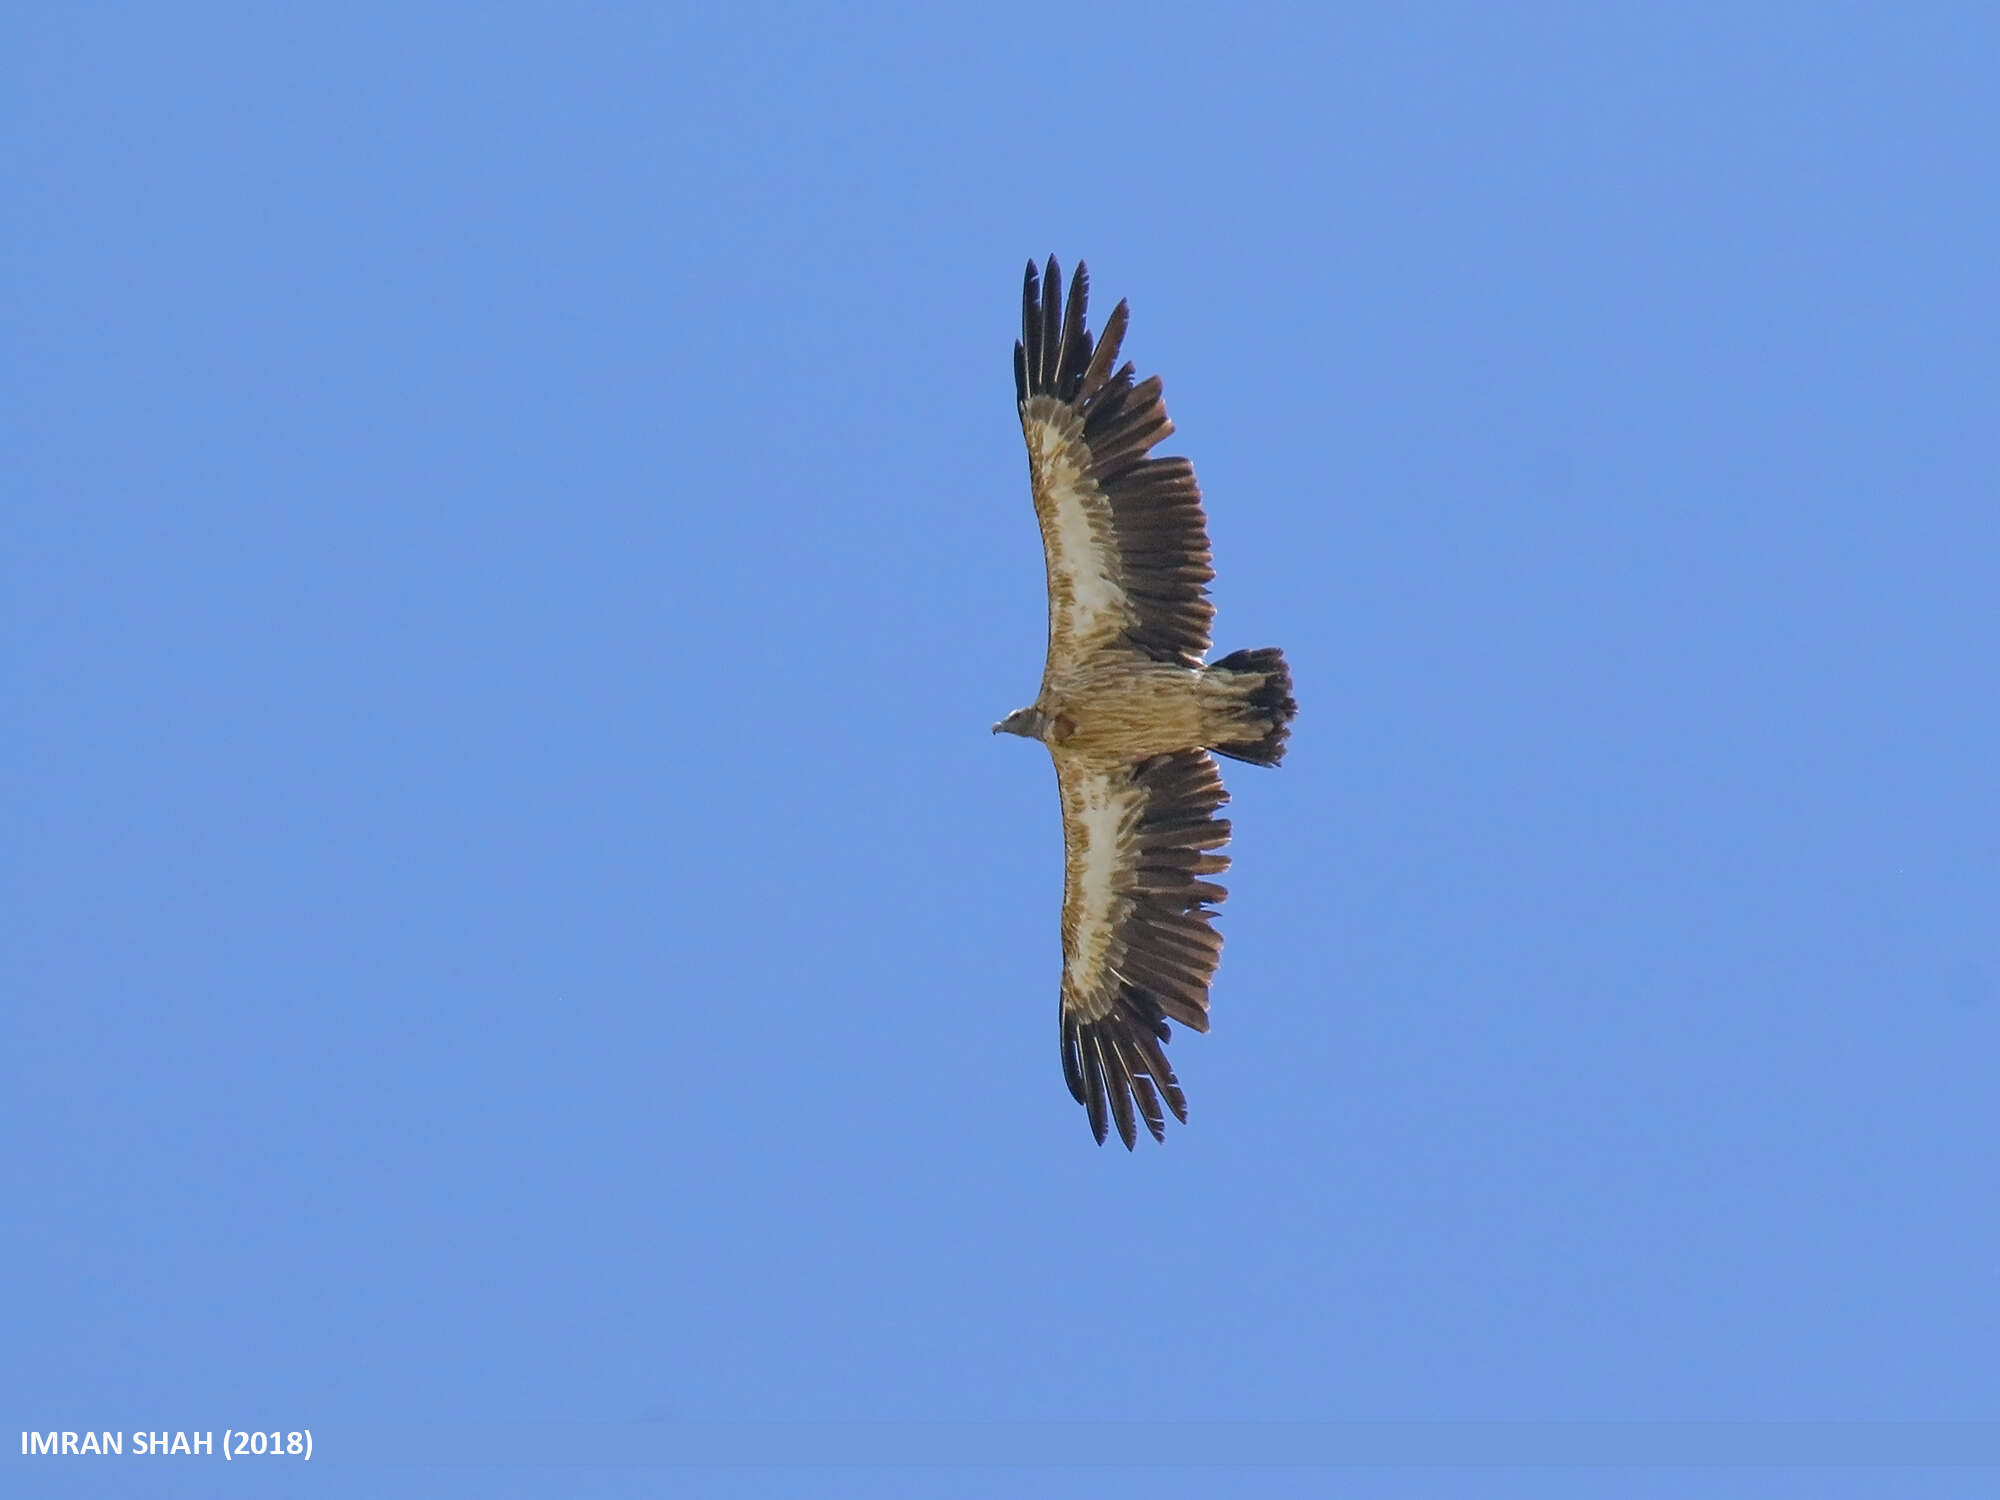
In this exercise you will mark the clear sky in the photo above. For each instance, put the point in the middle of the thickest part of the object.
(515, 534)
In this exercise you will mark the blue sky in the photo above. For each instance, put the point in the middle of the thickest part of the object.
(516, 531)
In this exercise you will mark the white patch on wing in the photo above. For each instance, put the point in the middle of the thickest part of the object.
(1101, 816)
(1082, 551)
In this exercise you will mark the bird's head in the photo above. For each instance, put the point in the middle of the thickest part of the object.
(1027, 722)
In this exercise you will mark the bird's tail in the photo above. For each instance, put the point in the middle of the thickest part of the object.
(1257, 692)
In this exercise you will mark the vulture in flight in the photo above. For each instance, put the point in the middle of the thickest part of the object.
(1131, 715)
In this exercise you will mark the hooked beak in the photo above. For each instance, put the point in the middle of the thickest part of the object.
(1021, 722)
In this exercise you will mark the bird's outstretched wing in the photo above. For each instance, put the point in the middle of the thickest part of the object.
(1123, 534)
(1140, 846)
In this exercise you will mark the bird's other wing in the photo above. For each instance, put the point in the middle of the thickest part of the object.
(1138, 950)
(1123, 534)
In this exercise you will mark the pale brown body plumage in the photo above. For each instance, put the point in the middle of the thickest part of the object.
(1124, 710)
(1128, 709)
